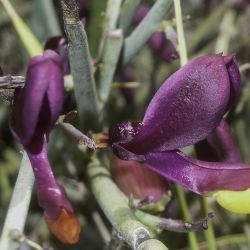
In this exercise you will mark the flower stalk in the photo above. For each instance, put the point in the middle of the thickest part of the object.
(209, 233)
(183, 57)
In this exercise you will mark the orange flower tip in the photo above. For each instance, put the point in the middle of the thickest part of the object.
(65, 227)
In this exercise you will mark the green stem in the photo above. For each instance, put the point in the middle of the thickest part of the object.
(180, 32)
(27, 37)
(111, 52)
(110, 21)
(145, 29)
(81, 67)
(209, 233)
(193, 242)
(112, 14)
(19, 205)
(223, 40)
(115, 206)
(207, 26)
(223, 241)
(49, 17)
(127, 14)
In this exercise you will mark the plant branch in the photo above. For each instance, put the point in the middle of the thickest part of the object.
(111, 52)
(19, 205)
(128, 11)
(11, 82)
(180, 32)
(209, 234)
(81, 67)
(110, 22)
(153, 221)
(115, 206)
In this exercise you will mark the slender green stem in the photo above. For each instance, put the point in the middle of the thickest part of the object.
(180, 32)
(207, 26)
(115, 206)
(81, 67)
(145, 29)
(193, 242)
(223, 40)
(19, 205)
(27, 37)
(49, 18)
(236, 239)
(110, 21)
(127, 14)
(111, 52)
(112, 14)
(209, 233)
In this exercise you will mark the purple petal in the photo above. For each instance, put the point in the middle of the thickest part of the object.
(51, 195)
(36, 106)
(186, 108)
(163, 47)
(199, 176)
(220, 145)
(141, 12)
(59, 45)
(234, 76)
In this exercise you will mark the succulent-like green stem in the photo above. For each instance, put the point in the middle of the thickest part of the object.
(128, 11)
(81, 67)
(115, 206)
(111, 52)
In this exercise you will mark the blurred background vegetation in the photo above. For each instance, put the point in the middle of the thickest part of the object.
(210, 27)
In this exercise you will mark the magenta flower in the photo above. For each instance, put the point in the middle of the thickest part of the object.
(36, 108)
(220, 145)
(187, 108)
(60, 46)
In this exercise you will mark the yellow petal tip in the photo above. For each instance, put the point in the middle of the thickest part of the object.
(234, 201)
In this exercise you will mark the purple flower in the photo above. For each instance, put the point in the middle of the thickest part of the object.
(186, 109)
(220, 145)
(60, 46)
(36, 108)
